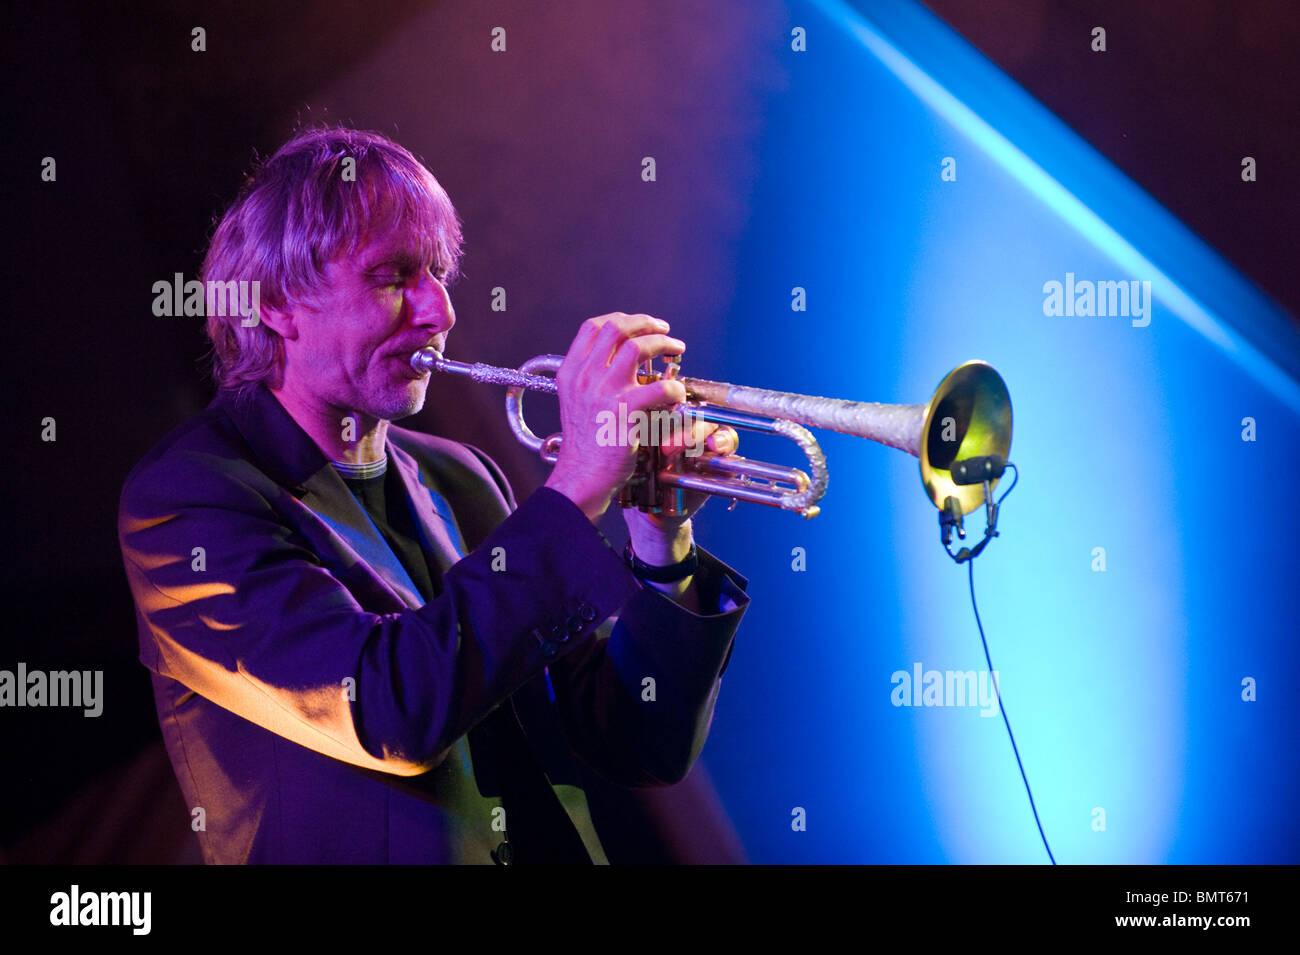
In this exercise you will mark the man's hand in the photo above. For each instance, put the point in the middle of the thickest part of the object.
(644, 526)
(599, 375)
(659, 539)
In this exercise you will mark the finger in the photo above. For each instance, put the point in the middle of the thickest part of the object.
(664, 394)
(635, 351)
(573, 370)
(588, 332)
(702, 436)
(622, 328)
(691, 434)
(725, 440)
(630, 322)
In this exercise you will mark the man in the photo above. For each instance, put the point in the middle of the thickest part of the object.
(362, 650)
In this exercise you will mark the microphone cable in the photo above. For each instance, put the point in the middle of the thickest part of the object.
(967, 557)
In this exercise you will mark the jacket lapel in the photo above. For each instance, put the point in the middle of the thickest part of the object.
(288, 455)
(329, 497)
(440, 536)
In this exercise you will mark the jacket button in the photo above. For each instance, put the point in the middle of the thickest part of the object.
(559, 632)
(550, 649)
(587, 612)
(503, 854)
(576, 625)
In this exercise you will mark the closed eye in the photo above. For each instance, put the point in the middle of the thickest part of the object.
(408, 276)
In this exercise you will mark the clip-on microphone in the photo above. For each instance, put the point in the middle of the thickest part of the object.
(985, 469)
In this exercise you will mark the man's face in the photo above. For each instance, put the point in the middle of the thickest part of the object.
(355, 339)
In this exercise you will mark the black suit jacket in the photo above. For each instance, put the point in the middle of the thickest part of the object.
(317, 709)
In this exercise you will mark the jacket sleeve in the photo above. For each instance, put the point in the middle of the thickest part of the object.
(233, 602)
(637, 699)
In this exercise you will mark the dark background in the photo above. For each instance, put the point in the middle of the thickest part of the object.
(151, 140)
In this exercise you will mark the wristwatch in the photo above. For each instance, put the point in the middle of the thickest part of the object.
(668, 574)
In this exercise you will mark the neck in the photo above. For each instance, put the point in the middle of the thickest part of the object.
(351, 437)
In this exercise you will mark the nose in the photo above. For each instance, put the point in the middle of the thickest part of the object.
(432, 305)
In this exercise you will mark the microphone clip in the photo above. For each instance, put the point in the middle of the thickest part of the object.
(982, 470)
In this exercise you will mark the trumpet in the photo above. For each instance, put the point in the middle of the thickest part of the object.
(969, 416)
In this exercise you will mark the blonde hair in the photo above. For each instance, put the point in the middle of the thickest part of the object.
(297, 212)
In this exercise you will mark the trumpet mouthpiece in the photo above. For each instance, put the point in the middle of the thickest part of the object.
(426, 359)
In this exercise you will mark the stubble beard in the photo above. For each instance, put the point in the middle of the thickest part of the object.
(394, 407)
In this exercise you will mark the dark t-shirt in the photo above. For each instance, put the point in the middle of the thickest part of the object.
(384, 499)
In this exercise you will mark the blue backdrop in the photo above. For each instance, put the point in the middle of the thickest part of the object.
(1124, 685)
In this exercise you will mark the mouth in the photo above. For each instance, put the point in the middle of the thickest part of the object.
(405, 357)
(408, 369)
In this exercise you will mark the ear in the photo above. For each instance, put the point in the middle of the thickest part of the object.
(280, 320)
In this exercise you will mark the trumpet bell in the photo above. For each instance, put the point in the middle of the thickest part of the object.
(968, 416)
